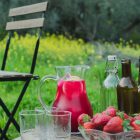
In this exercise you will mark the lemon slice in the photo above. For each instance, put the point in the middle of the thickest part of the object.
(74, 78)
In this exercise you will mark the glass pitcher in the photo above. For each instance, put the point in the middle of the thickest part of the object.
(71, 92)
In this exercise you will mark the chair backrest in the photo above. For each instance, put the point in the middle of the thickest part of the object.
(25, 24)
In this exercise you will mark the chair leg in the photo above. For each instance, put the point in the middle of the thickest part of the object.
(8, 114)
(5, 136)
(14, 109)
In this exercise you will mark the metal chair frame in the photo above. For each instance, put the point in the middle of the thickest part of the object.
(6, 76)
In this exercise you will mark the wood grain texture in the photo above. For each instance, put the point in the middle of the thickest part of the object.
(24, 24)
(34, 8)
(7, 74)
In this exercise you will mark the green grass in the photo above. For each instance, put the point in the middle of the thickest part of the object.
(54, 50)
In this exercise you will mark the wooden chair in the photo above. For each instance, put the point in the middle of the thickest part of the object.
(17, 76)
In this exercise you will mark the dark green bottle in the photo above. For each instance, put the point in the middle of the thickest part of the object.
(127, 90)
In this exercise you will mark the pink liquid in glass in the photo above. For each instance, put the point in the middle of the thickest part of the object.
(72, 96)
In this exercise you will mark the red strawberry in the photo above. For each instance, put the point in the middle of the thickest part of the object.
(131, 119)
(114, 125)
(104, 112)
(101, 120)
(111, 111)
(126, 116)
(83, 118)
(95, 116)
(137, 117)
(136, 124)
(122, 115)
(88, 125)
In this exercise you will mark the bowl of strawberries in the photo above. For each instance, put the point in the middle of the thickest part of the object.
(110, 124)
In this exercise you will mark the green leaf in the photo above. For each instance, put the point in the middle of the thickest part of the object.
(125, 130)
(120, 114)
(80, 126)
(86, 118)
(126, 122)
(137, 122)
(126, 126)
(130, 128)
(136, 114)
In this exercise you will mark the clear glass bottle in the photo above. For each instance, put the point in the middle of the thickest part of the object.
(127, 90)
(108, 90)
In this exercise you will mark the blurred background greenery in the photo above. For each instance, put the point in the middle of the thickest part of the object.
(88, 19)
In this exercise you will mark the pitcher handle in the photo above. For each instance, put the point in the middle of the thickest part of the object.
(42, 81)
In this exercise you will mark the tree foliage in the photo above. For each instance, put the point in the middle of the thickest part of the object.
(89, 19)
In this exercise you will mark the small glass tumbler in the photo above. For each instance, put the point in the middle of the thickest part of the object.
(56, 124)
(29, 121)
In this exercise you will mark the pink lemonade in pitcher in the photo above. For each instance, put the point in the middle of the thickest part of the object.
(71, 92)
(71, 96)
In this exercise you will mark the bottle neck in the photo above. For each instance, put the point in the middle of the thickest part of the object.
(126, 69)
(112, 71)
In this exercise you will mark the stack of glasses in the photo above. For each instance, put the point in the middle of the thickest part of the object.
(40, 124)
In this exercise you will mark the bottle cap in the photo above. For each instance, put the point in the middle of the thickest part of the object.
(126, 60)
(112, 57)
(111, 64)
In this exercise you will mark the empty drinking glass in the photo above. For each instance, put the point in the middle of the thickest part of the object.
(56, 125)
(29, 124)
